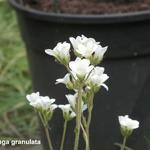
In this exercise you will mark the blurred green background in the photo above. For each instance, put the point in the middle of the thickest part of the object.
(17, 118)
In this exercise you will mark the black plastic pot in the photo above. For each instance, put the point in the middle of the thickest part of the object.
(127, 62)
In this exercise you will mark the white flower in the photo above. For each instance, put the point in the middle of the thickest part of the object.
(67, 111)
(41, 102)
(80, 68)
(65, 108)
(34, 99)
(97, 56)
(84, 46)
(72, 101)
(61, 52)
(47, 103)
(97, 78)
(66, 80)
(128, 123)
(52, 107)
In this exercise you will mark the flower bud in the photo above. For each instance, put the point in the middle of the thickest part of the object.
(68, 113)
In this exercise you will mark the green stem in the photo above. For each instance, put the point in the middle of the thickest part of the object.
(90, 108)
(124, 143)
(126, 147)
(67, 67)
(84, 122)
(48, 138)
(42, 120)
(85, 137)
(78, 118)
(45, 124)
(64, 134)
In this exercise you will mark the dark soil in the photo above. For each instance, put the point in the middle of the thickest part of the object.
(89, 6)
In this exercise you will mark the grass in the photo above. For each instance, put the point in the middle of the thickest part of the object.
(17, 119)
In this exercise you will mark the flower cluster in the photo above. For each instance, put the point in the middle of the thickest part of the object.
(88, 54)
(88, 48)
(41, 102)
(83, 69)
(85, 78)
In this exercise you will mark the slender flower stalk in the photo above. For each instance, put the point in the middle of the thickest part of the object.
(45, 124)
(78, 118)
(127, 125)
(48, 138)
(85, 137)
(90, 108)
(124, 143)
(64, 135)
(68, 114)
(120, 145)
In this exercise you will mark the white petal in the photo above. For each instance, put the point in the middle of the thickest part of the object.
(50, 52)
(127, 122)
(72, 99)
(53, 107)
(105, 86)
(84, 107)
(65, 108)
(72, 115)
(64, 80)
(59, 81)
(104, 77)
(73, 42)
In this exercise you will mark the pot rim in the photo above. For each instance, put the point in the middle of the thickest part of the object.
(82, 18)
